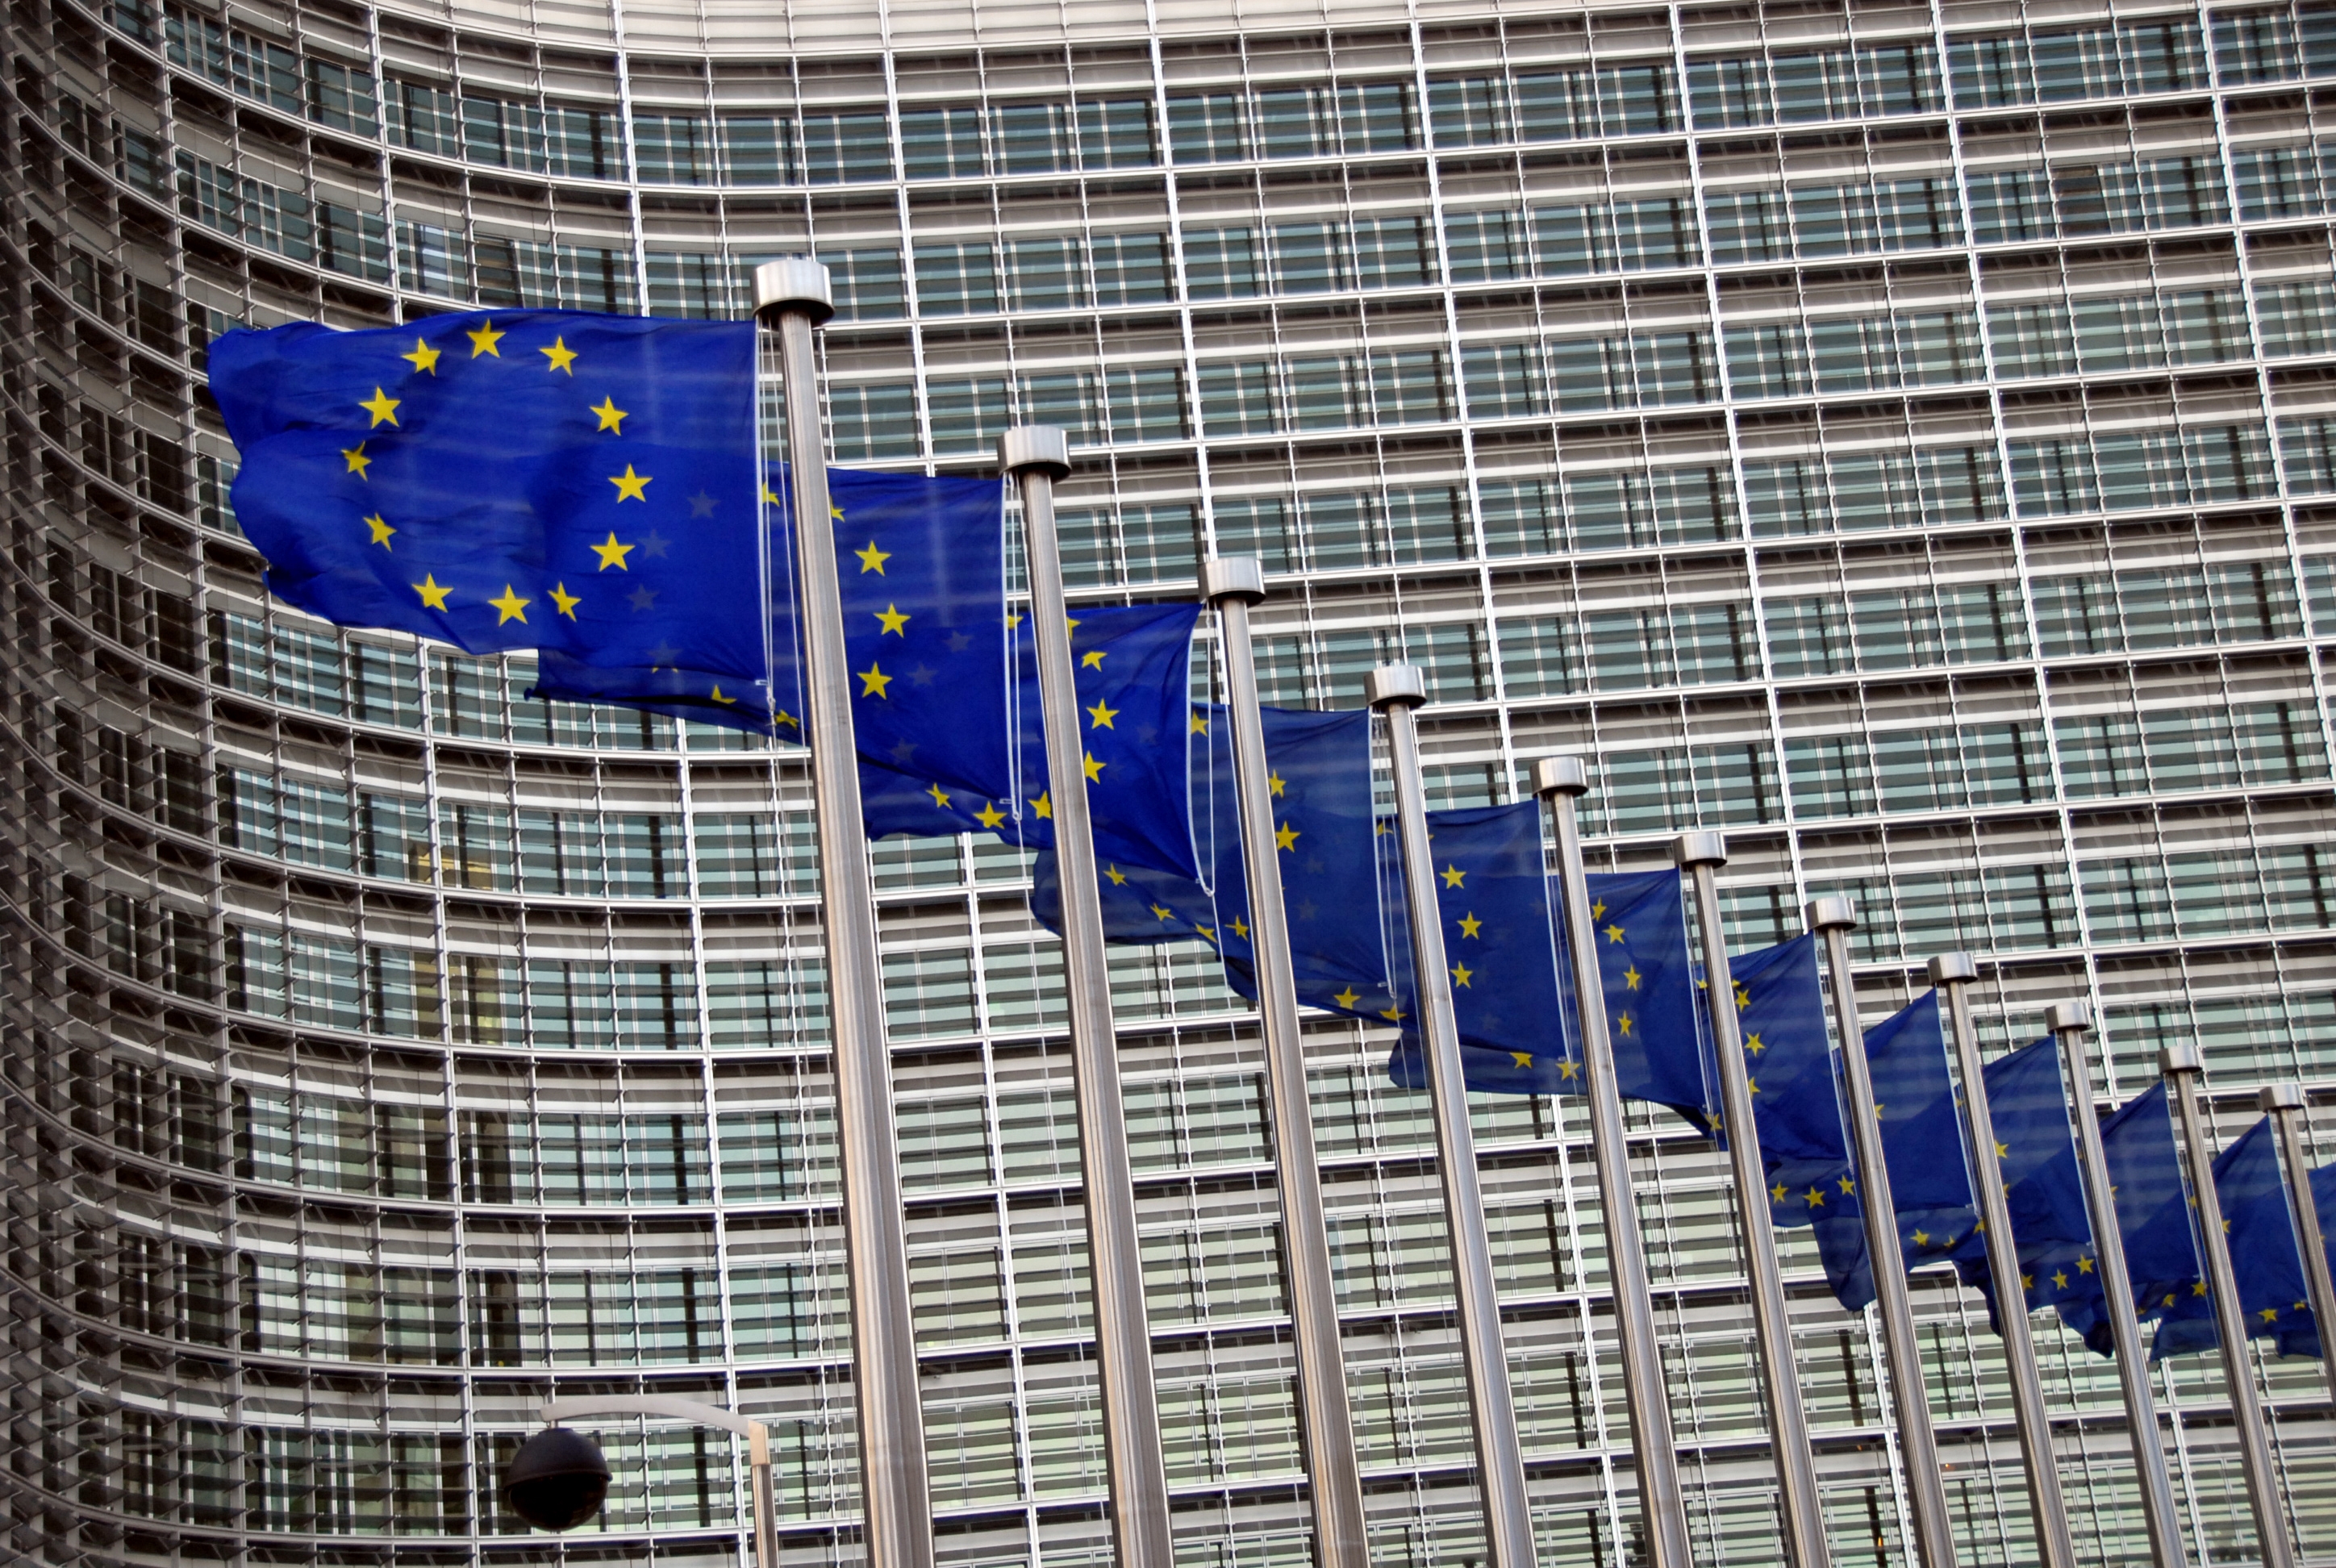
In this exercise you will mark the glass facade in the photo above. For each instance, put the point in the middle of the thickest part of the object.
(1902, 436)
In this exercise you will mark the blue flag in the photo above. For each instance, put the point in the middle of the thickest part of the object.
(2043, 1188)
(583, 484)
(1517, 1031)
(1134, 671)
(1922, 1143)
(1796, 1101)
(1640, 929)
(1319, 765)
(2152, 1206)
(2265, 1263)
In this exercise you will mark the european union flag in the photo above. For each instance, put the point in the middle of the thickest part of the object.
(1517, 1035)
(500, 480)
(2043, 1189)
(1796, 1101)
(2153, 1207)
(2268, 1270)
(1640, 929)
(1319, 774)
(1134, 674)
(1922, 1143)
(921, 565)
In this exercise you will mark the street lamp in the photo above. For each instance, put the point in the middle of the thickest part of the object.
(559, 1478)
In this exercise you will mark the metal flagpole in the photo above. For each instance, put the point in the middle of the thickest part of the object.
(1772, 1322)
(2182, 1069)
(1832, 919)
(791, 296)
(1394, 689)
(1036, 455)
(2283, 1103)
(1334, 1474)
(1559, 780)
(2070, 1021)
(1950, 973)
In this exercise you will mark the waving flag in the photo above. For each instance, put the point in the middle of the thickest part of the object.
(1789, 1058)
(2036, 1153)
(1640, 928)
(500, 480)
(2264, 1263)
(2153, 1205)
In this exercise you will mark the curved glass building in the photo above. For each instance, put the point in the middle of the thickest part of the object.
(1903, 437)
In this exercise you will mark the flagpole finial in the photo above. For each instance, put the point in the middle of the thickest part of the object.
(1224, 577)
(1043, 447)
(2287, 1097)
(1947, 966)
(1561, 776)
(1831, 912)
(794, 283)
(1394, 686)
(1701, 849)
(2072, 1016)
(2180, 1060)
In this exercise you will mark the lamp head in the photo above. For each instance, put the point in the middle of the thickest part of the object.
(556, 1480)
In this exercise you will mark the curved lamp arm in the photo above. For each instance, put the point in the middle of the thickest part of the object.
(555, 1411)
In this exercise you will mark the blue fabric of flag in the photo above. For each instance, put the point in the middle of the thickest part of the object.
(499, 480)
(1133, 667)
(2152, 1206)
(1796, 1097)
(1318, 772)
(1639, 926)
(1921, 1143)
(2274, 1302)
(1517, 1033)
(2043, 1186)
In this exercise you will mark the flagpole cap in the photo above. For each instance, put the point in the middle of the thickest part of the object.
(1949, 968)
(1701, 849)
(1830, 913)
(1224, 577)
(1394, 686)
(2070, 1017)
(1561, 776)
(794, 283)
(1043, 447)
(2287, 1097)
(2180, 1060)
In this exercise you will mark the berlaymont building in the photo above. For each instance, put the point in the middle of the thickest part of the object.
(1903, 437)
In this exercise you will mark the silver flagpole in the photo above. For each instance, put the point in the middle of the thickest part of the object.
(2182, 1069)
(1333, 1474)
(1559, 780)
(1036, 455)
(1394, 689)
(1772, 1319)
(1950, 973)
(2072, 1021)
(2283, 1103)
(1832, 919)
(791, 296)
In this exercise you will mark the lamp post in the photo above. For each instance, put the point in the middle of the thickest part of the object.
(559, 1478)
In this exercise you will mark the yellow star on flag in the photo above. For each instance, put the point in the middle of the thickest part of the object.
(559, 354)
(511, 607)
(1816, 1198)
(611, 553)
(2084, 1265)
(1093, 768)
(1286, 836)
(873, 559)
(1521, 1058)
(1273, 781)
(1241, 929)
(1569, 1069)
(483, 341)
(1044, 807)
(1393, 1015)
(940, 796)
(1598, 911)
(873, 681)
(1778, 1192)
(631, 486)
(355, 456)
(1462, 973)
(381, 406)
(1921, 1238)
(613, 418)
(565, 601)
(894, 623)
(1453, 876)
(1118, 877)
(381, 529)
(989, 816)
(1162, 911)
(2060, 1278)
(1102, 713)
(1092, 660)
(424, 357)
(432, 596)
(2270, 1314)
(1631, 978)
(1348, 999)
(1614, 933)
(1755, 1045)
(1847, 1185)
(733, 702)
(1469, 924)
(1200, 725)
